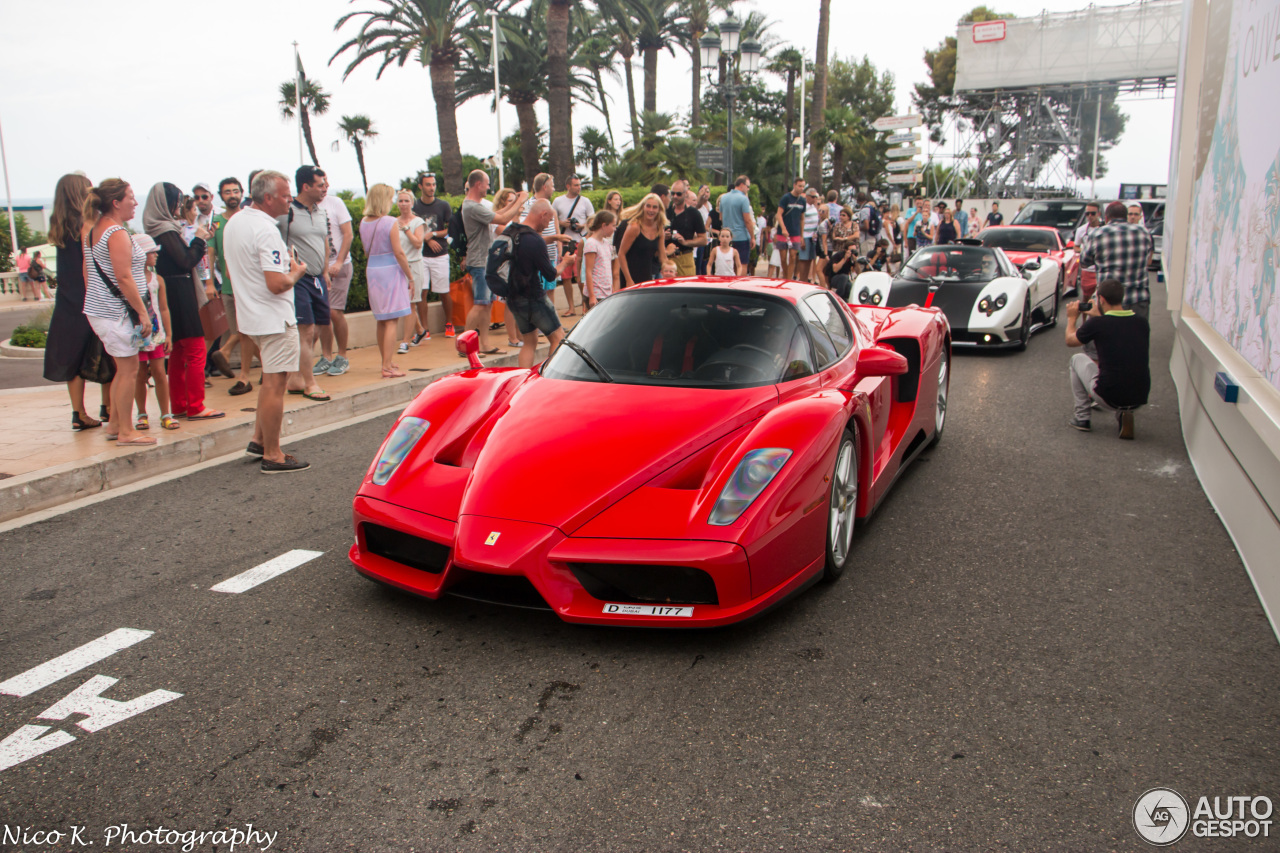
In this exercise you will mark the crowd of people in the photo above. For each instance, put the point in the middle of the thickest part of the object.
(267, 276)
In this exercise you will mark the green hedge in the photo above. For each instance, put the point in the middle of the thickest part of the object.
(28, 336)
(358, 298)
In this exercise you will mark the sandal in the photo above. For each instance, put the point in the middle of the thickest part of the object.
(319, 396)
(139, 441)
(393, 374)
(143, 422)
(207, 415)
(493, 351)
(81, 422)
(169, 422)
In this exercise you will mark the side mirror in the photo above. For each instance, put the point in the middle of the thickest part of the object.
(880, 361)
(1031, 265)
(468, 343)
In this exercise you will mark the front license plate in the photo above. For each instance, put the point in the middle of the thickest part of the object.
(646, 610)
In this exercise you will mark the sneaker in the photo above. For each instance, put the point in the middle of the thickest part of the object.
(322, 367)
(404, 348)
(254, 449)
(288, 466)
(424, 335)
(1125, 420)
(448, 330)
(339, 366)
(1083, 426)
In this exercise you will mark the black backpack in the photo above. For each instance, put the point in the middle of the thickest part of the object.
(502, 273)
(873, 222)
(458, 236)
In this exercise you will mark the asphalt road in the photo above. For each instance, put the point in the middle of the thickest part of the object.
(1042, 625)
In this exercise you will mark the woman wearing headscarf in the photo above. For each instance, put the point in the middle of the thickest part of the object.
(174, 264)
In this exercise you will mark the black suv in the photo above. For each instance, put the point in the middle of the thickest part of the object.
(1065, 214)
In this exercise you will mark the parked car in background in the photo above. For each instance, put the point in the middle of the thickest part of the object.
(1065, 214)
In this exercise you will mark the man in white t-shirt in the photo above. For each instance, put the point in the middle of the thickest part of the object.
(573, 211)
(340, 272)
(264, 273)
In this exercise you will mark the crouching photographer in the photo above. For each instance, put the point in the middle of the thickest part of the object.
(1120, 379)
(842, 268)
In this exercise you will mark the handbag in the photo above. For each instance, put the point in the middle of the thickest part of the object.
(95, 364)
(213, 319)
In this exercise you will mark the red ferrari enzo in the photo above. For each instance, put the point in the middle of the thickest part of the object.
(1023, 242)
(692, 454)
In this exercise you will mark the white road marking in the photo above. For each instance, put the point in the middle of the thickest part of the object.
(101, 712)
(265, 572)
(72, 662)
(26, 743)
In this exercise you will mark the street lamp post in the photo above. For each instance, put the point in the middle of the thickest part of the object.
(747, 56)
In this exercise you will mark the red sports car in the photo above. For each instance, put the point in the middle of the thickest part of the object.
(1024, 242)
(693, 453)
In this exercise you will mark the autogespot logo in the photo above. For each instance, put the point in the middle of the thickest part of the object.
(1161, 816)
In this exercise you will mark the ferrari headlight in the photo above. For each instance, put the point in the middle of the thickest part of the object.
(756, 470)
(864, 296)
(875, 300)
(1000, 301)
(397, 447)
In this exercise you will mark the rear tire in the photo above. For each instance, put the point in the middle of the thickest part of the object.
(842, 505)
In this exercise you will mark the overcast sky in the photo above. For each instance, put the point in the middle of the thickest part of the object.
(153, 90)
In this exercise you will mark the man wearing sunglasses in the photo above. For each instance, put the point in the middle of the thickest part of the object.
(1087, 279)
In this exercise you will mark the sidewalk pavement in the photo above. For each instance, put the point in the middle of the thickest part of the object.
(44, 463)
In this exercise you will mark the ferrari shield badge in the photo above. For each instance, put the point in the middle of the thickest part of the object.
(492, 539)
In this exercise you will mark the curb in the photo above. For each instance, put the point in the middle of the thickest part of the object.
(50, 487)
(8, 350)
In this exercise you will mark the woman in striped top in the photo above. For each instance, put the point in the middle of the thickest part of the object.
(115, 281)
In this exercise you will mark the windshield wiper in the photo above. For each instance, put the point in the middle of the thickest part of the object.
(586, 356)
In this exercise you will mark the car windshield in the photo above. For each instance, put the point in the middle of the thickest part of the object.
(687, 338)
(1020, 239)
(951, 263)
(1058, 214)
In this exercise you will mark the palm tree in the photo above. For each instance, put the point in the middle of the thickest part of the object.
(315, 101)
(596, 53)
(620, 25)
(425, 31)
(788, 63)
(594, 147)
(523, 69)
(358, 130)
(559, 110)
(659, 24)
(819, 94)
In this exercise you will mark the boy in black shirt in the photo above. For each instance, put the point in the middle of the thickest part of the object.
(1121, 377)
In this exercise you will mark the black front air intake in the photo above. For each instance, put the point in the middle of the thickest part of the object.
(642, 584)
(509, 590)
(406, 549)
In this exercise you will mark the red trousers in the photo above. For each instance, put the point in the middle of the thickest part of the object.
(186, 376)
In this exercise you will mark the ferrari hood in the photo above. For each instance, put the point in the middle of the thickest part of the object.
(566, 450)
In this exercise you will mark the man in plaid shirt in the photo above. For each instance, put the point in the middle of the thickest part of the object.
(1122, 250)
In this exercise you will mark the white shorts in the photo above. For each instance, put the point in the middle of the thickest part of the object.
(437, 270)
(116, 336)
(417, 280)
(279, 352)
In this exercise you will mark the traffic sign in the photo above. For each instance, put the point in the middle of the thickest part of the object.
(902, 165)
(914, 178)
(897, 122)
(711, 157)
(903, 136)
(894, 153)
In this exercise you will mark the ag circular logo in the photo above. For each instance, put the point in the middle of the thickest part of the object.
(1161, 816)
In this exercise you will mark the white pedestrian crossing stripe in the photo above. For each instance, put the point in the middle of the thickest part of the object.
(72, 662)
(270, 569)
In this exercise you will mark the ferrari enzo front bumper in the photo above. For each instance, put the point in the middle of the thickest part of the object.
(635, 582)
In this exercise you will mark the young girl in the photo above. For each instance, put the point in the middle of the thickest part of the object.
(724, 258)
(597, 267)
(153, 359)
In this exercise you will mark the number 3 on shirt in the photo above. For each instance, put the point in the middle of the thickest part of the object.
(275, 257)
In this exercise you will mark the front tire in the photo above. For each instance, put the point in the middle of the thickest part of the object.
(1024, 333)
(842, 505)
